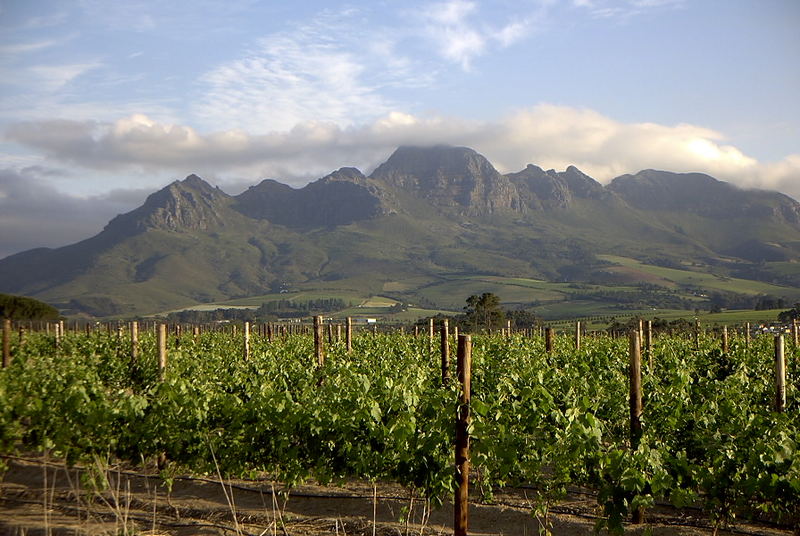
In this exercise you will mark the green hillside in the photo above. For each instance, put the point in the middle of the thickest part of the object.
(428, 228)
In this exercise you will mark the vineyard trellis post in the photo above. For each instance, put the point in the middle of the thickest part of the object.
(246, 337)
(349, 335)
(463, 369)
(577, 335)
(548, 340)
(635, 388)
(648, 342)
(319, 350)
(162, 349)
(134, 340)
(780, 375)
(747, 335)
(636, 402)
(445, 345)
(725, 340)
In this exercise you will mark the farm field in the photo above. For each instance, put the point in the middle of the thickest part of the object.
(640, 289)
(545, 426)
(701, 280)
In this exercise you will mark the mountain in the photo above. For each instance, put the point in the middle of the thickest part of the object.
(427, 217)
(754, 225)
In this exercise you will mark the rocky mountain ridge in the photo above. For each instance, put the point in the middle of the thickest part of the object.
(424, 213)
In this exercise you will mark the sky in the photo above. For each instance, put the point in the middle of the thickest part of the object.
(102, 103)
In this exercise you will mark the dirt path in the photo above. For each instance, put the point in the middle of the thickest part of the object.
(46, 498)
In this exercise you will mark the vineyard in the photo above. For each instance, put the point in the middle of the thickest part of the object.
(714, 434)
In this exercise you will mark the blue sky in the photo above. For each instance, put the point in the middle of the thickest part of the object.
(103, 102)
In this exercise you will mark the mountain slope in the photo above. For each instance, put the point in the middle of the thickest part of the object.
(425, 216)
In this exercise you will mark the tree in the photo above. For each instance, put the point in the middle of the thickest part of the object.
(23, 308)
(791, 314)
(484, 312)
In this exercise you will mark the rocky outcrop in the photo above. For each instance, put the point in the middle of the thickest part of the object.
(450, 177)
(555, 190)
(188, 205)
(343, 197)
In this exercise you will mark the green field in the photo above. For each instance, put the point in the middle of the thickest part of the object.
(701, 280)
(428, 295)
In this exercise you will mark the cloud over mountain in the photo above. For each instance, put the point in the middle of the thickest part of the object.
(548, 135)
(34, 213)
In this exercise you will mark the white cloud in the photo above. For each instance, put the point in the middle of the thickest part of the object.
(456, 39)
(24, 48)
(624, 10)
(546, 135)
(54, 77)
(319, 71)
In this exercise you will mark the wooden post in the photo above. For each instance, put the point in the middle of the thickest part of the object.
(780, 375)
(725, 340)
(635, 388)
(455, 334)
(21, 336)
(794, 332)
(349, 335)
(648, 338)
(508, 328)
(636, 403)
(162, 350)
(246, 349)
(445, 345)
(696, 333)
(548, 340)
(464, 365)
(330, 334)
(319, 350)
(6, 342)
(747, 335)
(134, 340)
(430, 330)
(59, 330)
(577, 335)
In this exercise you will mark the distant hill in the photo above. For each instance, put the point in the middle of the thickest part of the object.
(427, 215)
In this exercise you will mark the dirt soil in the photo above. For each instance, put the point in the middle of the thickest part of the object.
(40, 497)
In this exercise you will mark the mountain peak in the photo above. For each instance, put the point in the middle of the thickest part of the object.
(446, 176)
(190, 204)
(195, 181)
